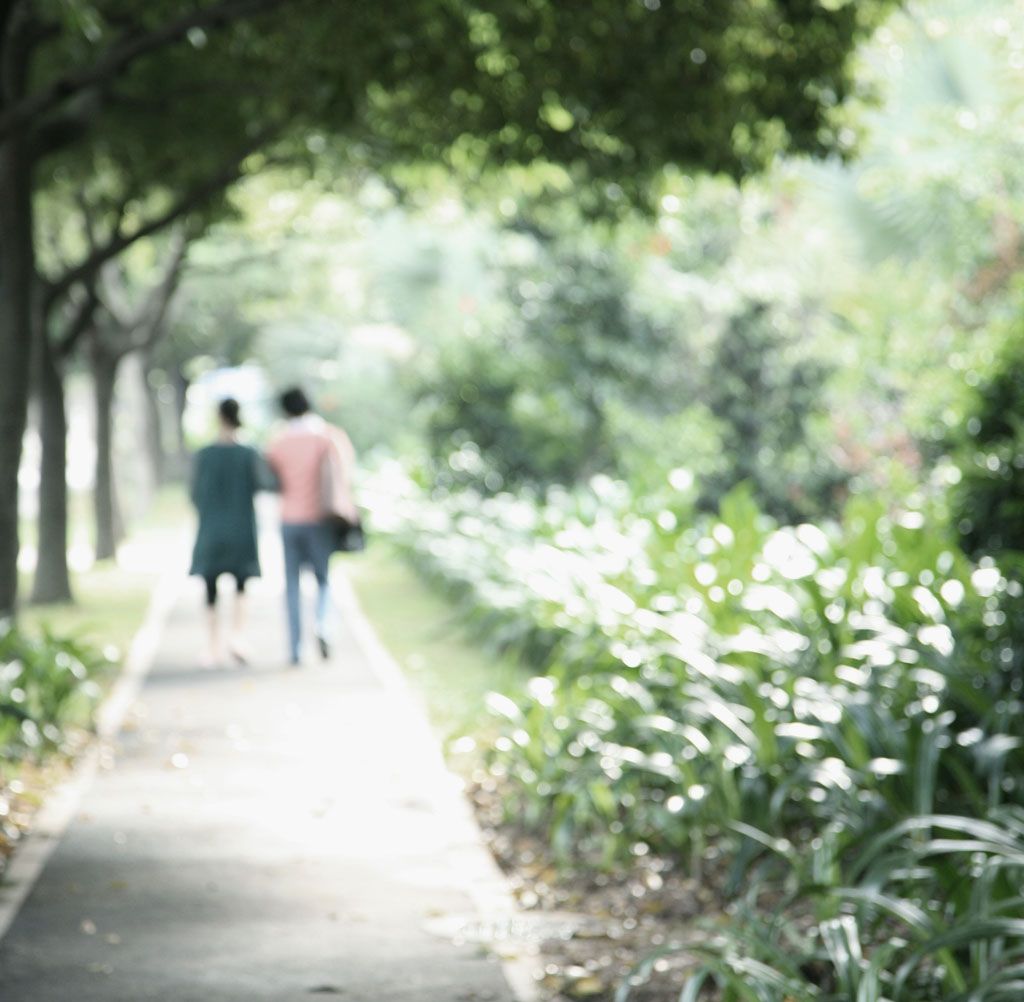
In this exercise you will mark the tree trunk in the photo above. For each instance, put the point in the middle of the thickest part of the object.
(52, 582)
(593, 451)
(154, 433)
(137, 473)
(17, 275)
(104, 374)
(181, 385)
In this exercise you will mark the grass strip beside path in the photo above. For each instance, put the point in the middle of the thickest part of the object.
(112, 596)
(421, 630)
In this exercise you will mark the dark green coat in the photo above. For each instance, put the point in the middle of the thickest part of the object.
(225, 477)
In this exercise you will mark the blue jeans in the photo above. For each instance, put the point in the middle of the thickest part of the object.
(305, 544)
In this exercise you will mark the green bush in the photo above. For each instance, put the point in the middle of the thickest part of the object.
(786, 692)
(768, 401)
(927, 909)
(47, 686)
(988, 507)
(692, 677)
(582, 374)
(990, 446)
(537, 394)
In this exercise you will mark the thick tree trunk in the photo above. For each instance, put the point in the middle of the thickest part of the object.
(17, 274)
(104, 374)
(52, 582)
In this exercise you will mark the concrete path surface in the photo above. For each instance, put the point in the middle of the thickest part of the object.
(260, 833)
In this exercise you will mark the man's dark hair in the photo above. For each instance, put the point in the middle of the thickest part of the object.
(228, 410)
(294, 402)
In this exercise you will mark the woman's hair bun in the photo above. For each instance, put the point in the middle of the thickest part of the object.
(228, 411)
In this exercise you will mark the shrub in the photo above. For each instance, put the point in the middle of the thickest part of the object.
(927, 909)
(690, 677)
(47, 685)
(988, 508)
(787, 692)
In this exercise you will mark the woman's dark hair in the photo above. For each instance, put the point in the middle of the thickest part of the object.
(228, 411)
(294, 402)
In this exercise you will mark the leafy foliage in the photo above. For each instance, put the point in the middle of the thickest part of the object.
(810, 695)
(990, 510)
(987, 509)
(765, 398)
(926, 909)
(538, 397)
(47, 685)
(678, 79)
(633, 356)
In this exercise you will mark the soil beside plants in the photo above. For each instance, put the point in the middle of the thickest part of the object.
(23, 790)
(596, 929)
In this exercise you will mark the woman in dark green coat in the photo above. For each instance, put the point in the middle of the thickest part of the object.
(225, 478)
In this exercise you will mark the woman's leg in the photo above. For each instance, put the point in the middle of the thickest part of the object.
(235, 644)
(212, 655)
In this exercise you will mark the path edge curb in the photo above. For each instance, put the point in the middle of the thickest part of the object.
(491, 895)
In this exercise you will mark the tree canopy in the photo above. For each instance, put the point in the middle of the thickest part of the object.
(184, 92)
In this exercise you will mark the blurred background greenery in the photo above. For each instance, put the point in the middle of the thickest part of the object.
(817, 331)
(725, 465)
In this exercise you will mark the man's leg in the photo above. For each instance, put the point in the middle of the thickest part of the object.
(291, 537)
(320, 556)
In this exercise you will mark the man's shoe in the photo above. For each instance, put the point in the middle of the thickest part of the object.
(325, 648)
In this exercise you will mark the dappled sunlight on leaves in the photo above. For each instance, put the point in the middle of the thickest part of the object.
(732, 689)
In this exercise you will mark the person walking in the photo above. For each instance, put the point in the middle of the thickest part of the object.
(225, 477)
(310, 459)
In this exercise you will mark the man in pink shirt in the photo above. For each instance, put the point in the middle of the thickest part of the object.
(298, 456)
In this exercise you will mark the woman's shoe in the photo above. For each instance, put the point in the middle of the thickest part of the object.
(211, 659)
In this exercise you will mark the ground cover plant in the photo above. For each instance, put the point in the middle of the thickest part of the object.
(809, 701)
(49, 687)
(46, 687)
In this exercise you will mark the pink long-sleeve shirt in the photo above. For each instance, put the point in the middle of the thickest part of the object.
(297, 455)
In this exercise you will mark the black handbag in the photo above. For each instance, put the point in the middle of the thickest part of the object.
(346, 536)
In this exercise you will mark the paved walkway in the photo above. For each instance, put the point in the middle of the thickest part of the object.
(258, 833)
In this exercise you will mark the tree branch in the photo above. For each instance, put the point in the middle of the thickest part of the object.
(80, 321)
(6, 9)
(115, 296)
(150, 307)
(229, 172)
(15, 29)
(8, 13)
(161, 295)
(87, 225)
(122, 54)
(155, 304)
(140, 330)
